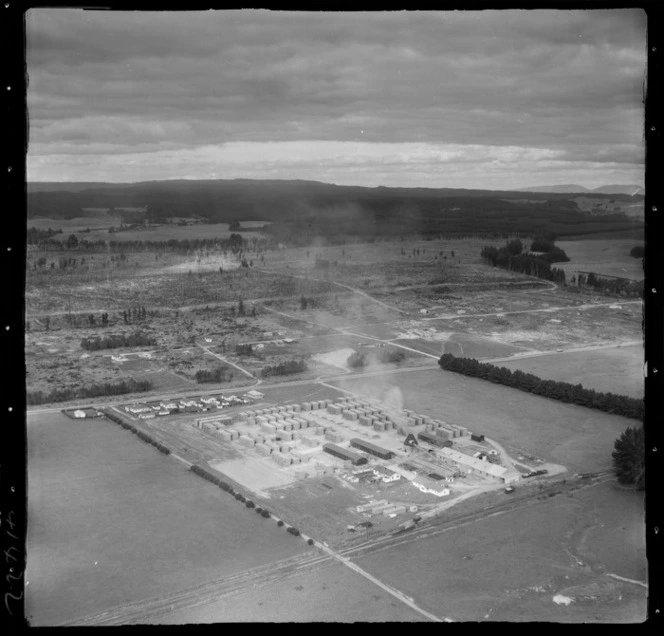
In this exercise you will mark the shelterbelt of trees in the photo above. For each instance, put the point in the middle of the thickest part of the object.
(130, 385)
(563, 391)
(113, 341)
(512, 257)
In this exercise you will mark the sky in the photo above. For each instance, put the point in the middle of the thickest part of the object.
(460, 99)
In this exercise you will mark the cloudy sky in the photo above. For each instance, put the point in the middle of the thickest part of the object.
(489, 99)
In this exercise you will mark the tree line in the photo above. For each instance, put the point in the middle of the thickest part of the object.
(113, 341)
(385, 356)
(108, 413)
(234, 244)
(555, 390)
(512, 258)
(130, 385)
(629, 458)
(219, 374)
(609, 285)
(285, 368)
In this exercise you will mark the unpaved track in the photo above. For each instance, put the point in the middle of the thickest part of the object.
(232, 364)
(545, 310)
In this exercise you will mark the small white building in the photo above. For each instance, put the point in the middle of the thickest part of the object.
(78, 413)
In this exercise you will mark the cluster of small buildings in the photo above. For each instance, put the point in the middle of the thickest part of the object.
(488, 470)
(385, 508)
(189, 405)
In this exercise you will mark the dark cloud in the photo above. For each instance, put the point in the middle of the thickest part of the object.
(568, 81)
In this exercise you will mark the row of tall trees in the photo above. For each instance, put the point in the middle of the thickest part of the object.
(114, 341)
(217, 375)
(136, 431)
(610, 285)
(512, 258)
(563, 391)
(289, 367)
(130, 385)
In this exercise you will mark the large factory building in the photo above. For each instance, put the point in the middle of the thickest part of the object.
(345, 454)
(370, 448)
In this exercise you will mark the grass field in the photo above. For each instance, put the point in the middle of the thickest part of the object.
(111, 520)
(333, 594)
(576, 437)
(602, 256)
(618, 370)
(509, 567)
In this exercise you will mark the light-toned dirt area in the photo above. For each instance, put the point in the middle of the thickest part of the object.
(256, 475)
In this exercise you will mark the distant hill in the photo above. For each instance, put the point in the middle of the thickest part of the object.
(311, 208)
(630, 190)
(621, 189)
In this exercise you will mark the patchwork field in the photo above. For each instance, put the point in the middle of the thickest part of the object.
(618, 370)
(576, 437)
(111, 521)
(510, 567)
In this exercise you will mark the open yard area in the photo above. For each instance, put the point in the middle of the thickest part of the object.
(111, 521)
(576, 437)
(510, 567)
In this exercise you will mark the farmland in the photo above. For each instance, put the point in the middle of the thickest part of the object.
(206, 313)
(105, 510)
(557, 546)
(615, 370)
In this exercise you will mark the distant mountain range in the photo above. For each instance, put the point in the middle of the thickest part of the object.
(577, 189)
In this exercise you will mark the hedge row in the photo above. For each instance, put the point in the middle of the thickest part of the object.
(215, 479)
(140, 434)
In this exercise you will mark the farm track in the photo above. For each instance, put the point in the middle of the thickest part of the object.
(545, 310)
(156, 607)
(232, 364)
(143, 611)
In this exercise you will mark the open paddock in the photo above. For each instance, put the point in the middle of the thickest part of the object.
(602, 256)
(616, 370)
(576, 437)
(104, 510)
(509, 567)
